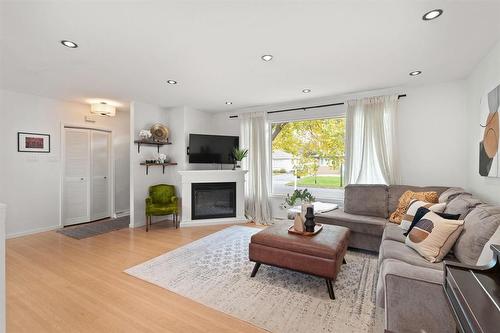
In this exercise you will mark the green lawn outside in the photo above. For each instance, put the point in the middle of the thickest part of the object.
(318, 182)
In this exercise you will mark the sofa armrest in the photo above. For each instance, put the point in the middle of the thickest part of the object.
(149, 201)
(413, 298)
(174, 199)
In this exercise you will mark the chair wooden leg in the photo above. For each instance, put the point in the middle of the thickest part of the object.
(176, 220)
(147, 223)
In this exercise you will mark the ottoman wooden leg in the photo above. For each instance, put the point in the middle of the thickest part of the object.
(255, 269)
(343, 261)
(330, 288)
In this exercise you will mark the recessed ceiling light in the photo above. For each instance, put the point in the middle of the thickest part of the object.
(229, 103)
(172, 82)
(433, 14)
(267, 57)
(415, 73)
(305, 91)
(70, 44)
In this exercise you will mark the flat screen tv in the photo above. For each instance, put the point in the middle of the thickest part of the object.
(212, 148)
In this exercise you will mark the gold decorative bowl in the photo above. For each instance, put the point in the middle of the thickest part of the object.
(159, 133)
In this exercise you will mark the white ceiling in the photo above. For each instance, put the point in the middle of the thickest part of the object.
(129, 50)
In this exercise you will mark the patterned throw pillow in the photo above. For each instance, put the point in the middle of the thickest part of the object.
(422, 211)
(405, 200)
(433, 236)
(412, 210)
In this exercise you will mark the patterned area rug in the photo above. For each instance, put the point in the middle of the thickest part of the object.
(215, 271)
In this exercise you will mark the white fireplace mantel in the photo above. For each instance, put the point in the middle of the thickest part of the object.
(212, 176)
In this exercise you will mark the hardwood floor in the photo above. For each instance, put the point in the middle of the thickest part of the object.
(59, 284)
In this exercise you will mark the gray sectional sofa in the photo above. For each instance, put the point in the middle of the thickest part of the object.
(409, 287)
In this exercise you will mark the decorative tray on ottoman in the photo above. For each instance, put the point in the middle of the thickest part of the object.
(317, 228)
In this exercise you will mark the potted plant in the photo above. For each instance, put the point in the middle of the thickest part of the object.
(239, 155)
(299, 197)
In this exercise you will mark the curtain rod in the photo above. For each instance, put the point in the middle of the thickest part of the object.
(308, 107)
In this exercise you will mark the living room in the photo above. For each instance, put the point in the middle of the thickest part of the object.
(249, 166)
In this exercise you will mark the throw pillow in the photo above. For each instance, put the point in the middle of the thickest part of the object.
(462, 204)
(413, 208)
(451, 193)
(422, 211)
(404, 202)
(433, 236)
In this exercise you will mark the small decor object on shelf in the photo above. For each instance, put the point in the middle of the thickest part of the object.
(310, 224)
(159, 133)
(162, 158)
(145, 134)
(33, 142)
(239, 155)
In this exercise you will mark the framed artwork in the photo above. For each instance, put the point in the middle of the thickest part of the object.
(489, 165)
(33, 142)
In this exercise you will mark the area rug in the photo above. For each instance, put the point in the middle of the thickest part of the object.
(95, 228)
(215, 271)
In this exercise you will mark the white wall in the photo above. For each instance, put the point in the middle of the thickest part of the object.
(30, 182)
(432, 129)
(485, 77)
(143, 116)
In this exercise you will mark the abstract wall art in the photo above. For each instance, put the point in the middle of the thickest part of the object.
(488, 147)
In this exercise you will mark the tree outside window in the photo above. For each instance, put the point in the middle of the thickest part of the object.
(308, 154)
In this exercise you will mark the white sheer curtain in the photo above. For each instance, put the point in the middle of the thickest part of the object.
(255, 137)
(371, 143)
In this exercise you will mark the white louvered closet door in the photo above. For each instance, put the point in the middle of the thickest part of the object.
(100, 186)
(76, 191)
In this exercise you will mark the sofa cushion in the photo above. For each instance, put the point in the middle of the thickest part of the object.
(396, 191)
(391, 249)
(462, 204)
(393, 232)
(480, 225)
(451, 193)
(356, 223)
(487, 253)
(370, 200)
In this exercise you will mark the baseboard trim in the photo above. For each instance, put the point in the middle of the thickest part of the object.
(31, 231)
(122, 213)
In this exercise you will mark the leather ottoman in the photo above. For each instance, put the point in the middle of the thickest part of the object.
(321, 255)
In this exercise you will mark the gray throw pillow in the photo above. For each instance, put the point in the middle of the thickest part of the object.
(451, 193)
(462, 205)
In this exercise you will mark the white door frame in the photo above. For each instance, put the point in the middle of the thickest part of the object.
(111, 163)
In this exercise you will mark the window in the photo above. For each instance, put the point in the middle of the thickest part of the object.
(309, 154)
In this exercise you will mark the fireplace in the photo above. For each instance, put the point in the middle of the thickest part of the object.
(213, 200)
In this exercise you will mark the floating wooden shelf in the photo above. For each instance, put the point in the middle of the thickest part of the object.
(157, 164)
(150, 143)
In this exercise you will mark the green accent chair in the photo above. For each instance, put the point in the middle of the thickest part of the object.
(162, 201)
